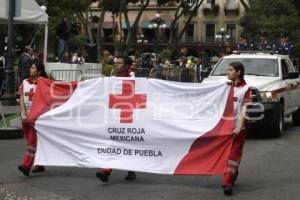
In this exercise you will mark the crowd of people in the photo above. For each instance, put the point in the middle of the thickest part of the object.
(283, 46)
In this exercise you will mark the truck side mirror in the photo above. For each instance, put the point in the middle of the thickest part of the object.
(292, 75)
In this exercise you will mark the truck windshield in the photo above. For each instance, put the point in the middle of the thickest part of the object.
(253, 66)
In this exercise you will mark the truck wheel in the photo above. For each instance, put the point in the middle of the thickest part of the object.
(296, 118)
(276, 129)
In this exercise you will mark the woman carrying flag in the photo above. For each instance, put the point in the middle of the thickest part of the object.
(27, 90)
(242, 97)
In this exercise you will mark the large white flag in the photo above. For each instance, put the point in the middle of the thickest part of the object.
(136, 124)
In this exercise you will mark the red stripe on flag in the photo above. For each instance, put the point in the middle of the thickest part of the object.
(49, 95)
(208, 154)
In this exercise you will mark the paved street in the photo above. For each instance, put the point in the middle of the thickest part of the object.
(270, 170)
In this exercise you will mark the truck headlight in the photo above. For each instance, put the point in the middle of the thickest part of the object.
(268, 97)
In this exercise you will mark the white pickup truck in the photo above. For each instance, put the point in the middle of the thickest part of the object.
(275, 87)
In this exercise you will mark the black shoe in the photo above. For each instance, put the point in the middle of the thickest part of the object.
(227, 190)
(103, 176)
(24, 170)
(130, 176)
(38, 169)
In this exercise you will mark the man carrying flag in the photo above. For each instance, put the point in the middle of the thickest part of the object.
(122, 69)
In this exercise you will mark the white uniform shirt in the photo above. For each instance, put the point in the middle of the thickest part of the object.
(27, 89)
(241, 94)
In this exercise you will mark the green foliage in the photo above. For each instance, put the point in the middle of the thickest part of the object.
(57, 9)
(273, 16)
(123, 48)
(166, 54)
(78, 43)
(8, 119)
(107, 69)
(94, 19)
(115, 5)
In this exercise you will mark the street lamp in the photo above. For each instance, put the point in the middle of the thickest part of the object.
(141, 39)
(10, 96)
(157, 23)
(220, 36)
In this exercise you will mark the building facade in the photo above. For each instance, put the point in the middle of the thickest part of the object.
(212, 16)
(215, 25)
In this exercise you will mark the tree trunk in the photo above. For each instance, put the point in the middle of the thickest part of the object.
(245, 5)
(129, 33)
(133, 28)
(173, 26)
(120, 21)
(99, 35)
(88, 28)
(193, 12)
(113, 30)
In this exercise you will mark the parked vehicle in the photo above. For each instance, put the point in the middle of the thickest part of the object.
(275, 87)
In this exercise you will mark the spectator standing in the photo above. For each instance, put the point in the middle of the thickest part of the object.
(244, 45)
(25, 62)
(264, 44)
(63, 35)
(285, 47)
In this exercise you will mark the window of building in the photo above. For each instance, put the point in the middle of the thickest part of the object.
(210, 32)
(189, 34)
(231, 2)
(210, 3)
(231, 31)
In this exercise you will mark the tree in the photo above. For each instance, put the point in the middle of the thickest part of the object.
(245, 5)
(57, 9)
(184, 8)
(133, 28)
(73, 9)
(273, 16)
(119, 8)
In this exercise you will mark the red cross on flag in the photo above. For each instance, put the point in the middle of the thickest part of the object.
(136, 124)
(127, 101)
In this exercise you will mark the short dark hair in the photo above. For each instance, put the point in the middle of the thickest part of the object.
(243, 35)
(264, 34)
(284, 34)
(127, 60)
(238, 66)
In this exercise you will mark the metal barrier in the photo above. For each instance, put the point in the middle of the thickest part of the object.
(157, 72)
(189, 75)
(142, 72)
(92, 73)
(173, 73)
(67, 75)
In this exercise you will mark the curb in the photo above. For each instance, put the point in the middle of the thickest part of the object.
(10, 133)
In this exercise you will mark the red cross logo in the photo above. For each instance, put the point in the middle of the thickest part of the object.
(30, 94)
(127, 101)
